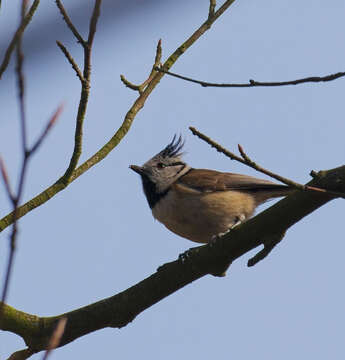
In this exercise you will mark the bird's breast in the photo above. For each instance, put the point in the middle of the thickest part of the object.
(198, 216)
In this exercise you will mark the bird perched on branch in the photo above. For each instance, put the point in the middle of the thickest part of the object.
(199, 204)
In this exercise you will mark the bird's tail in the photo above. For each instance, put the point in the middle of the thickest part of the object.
(269, 192)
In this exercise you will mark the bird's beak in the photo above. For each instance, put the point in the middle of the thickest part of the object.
(137, 169)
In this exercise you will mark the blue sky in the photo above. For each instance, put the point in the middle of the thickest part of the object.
(98, 236)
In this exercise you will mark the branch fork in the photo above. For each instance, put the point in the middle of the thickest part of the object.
(157, 64)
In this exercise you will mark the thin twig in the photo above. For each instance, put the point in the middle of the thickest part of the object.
(212, 8)
(26, 153)
(6, 180)
(247, 161)
(56, 337)
(141, 87)
(253, 165)
(138, 104)
(254, 83)
(93, 22)
(70, 60)
(21, 88)
(24, 9)
(24, 23)
(15, 198)
(85, 92)
(69, 23)
(48, 127)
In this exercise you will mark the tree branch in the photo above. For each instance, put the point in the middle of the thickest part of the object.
(212, 8)
(24, 23)
(140, 88)
(122, 308)
(21, 355)
(122, 130)
(254, 83)
(247, 161)
(15, 197)
(85, 84)
(69, 23)
(71, 61)
(56, 337)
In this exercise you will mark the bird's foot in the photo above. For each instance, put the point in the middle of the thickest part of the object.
(214, 238)
(185, 256)
(238, 221)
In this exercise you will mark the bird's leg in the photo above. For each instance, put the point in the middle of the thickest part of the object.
(268, 247)
(186, 257)
(237, 221)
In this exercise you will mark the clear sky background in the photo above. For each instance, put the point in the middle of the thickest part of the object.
(98, 237)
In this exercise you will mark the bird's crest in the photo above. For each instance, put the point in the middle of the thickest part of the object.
(173, 149)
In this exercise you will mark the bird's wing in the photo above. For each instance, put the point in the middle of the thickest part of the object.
(210, 181)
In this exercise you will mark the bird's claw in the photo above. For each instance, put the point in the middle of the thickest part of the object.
(214, 238)
(185, 256)
(238, 221)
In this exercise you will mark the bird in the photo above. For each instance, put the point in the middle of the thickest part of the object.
(200, 204)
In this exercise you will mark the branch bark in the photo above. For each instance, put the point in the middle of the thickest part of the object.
(120, 309)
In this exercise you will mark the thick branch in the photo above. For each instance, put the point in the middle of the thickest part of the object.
(118, 310)
(123, 129)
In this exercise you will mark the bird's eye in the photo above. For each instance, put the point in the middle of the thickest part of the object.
(161, 165)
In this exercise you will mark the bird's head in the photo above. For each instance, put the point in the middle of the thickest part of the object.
(164, 168)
